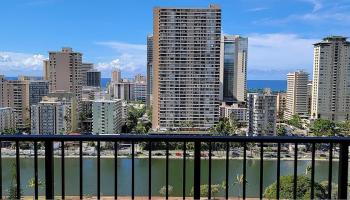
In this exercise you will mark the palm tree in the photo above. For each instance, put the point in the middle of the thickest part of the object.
(239, 181)
(308, 170)
(31, 183)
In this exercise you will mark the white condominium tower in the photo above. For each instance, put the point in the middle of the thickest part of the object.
(186, 67)
(297, 97)
(261, 113)
(331, 81)
(234, 60)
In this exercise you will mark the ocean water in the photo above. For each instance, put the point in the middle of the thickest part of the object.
(275, 85)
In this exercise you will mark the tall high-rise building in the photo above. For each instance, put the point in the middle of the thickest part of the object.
(331, 79)
(46, 70)
(116, 76)
(66, 69)
(7, 119)
(93, 78)
(186, 67)
(122, 90)
(50, 117)
(149, 69)
(234, 61)
(85, 67)
(15, 94)
(297, 97)
(106, 116)
(309, 97)
(261, 113)
(4, 93)
(37, 90)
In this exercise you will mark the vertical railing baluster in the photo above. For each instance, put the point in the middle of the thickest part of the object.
(261, 170)
(278, 170)
(227, 169)
(36, 193)
(330, 165)
(132, 170)
(98, 169)
(81, 169)
(197, 170)
(18, 173)
(167, 171)
(63, 179)
(149, 170)
(0, 170)
(115, 170)
(295, 179)
(49, 169)
(313, 171)
(343, 171)
(184, 173)
(209, 170)
(244, 169)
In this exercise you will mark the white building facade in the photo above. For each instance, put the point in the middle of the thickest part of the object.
(106, 116)
(51, 117)
(261, 114)
(7, 119)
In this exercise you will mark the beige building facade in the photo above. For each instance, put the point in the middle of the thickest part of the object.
(297, 94)
(331, 79)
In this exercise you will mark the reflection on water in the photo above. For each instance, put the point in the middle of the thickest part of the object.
(158, 175)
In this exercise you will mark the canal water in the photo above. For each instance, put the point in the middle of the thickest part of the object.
(158, 175)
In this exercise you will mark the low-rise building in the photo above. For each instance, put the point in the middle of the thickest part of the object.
(86, 115)
(140, 91)
(90, 92)
(261, 114)
(37, 90)
(234, 112)
(106, 116)
(51, 117)
(7, 119)
(281, 105)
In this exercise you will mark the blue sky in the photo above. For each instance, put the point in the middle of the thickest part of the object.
(112, 33)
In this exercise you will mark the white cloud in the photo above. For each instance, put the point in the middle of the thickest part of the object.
(14, 63)
(322, 12)
(271, 56)
(257, 9)
(130, 58)
(317, 4)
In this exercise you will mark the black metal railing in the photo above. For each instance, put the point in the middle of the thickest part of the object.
(198, 140)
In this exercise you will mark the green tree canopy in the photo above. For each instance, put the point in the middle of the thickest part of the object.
(224, 127)
(323, 127)
(344, 127)
(281, 130)
(303, 189)
(296, 121)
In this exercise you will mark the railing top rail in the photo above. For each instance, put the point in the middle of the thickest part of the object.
(176, 138)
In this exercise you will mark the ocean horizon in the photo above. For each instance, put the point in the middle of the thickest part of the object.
(275, 85)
